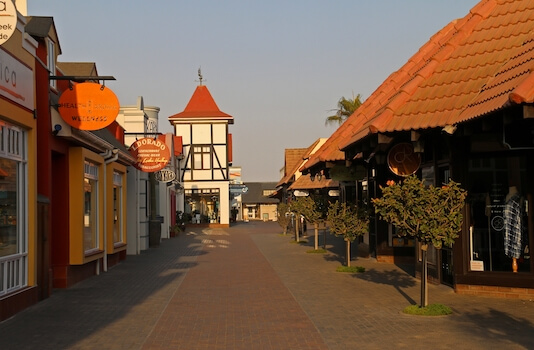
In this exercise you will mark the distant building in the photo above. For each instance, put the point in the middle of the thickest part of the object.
(256, 203)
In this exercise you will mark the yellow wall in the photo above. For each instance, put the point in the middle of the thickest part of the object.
(109, 206)
(77, 156)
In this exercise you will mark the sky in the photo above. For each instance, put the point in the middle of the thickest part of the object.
(278, 67)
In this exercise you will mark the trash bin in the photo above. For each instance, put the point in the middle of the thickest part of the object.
(154, 232)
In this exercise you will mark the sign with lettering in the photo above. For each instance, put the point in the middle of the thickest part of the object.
(16, 80)
(88, 106)
(151, 154)
(165, 175)
(8, 20)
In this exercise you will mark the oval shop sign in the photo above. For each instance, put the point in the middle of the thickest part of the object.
(88, 106)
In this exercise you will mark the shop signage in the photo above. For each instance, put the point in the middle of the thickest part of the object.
(151, 154)
(8, 20)
(333, 193)
(16, 80)
(299, 193)
(165, 175)
(402, 160)
(477, 265)
(238, 188)
(88, 106)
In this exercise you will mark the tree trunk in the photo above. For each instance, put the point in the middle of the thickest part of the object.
(424, 274)
(297, 230)
(348, 252)
(316, 226)
(324, 236)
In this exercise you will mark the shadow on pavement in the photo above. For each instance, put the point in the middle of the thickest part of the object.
(497, 325)
(392, 278)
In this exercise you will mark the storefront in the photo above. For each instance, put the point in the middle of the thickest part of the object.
(19, 249)
(203, 205)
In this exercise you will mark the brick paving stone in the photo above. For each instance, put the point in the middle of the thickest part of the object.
(248, 287)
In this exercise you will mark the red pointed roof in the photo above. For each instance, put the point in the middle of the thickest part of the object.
(474, 66)
(202, 106)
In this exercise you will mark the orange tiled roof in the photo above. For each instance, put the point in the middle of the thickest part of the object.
(295, 157)
(201, 105)
(473, 66)
(305, 183)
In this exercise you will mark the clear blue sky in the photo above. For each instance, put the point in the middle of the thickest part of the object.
(277, 66)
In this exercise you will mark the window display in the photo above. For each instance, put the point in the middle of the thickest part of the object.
(498, 203)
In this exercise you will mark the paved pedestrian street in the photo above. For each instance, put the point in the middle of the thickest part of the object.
(250, 287)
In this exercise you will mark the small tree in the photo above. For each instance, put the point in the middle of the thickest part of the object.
(298, 207)
(283, 216)
(313, 211)
(432, 215)
(347, 221)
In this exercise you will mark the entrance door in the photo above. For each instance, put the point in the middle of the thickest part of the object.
(446, 267)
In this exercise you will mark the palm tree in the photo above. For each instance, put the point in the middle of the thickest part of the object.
(345, 108)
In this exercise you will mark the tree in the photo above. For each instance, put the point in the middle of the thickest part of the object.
(313, 211)
(432, 215)
(297, 207)
(345, 108)
(283, 215)
(347, 221)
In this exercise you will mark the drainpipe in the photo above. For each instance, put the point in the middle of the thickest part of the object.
(110, 156)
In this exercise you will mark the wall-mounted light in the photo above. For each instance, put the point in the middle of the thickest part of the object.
(450, 129)
(312, 177)
(57, 129)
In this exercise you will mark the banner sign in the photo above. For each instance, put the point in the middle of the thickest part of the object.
(88, 106)
(151, 154)
(8, 20)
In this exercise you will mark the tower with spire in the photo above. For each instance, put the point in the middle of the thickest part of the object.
(207, 150)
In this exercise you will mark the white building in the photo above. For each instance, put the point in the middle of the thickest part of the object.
(207, 155)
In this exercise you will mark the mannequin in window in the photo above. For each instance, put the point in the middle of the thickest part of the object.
(512, 226)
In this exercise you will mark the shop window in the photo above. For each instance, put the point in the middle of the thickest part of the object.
(13, 217)
(90, 225)
(201, 157)
(203, 205)
(496, 183)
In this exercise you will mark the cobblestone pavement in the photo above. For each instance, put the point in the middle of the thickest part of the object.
(249, 287)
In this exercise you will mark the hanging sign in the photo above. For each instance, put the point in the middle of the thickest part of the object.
(165, 175)
(88, 106)
(151, 154)
(402, 159)
(8, 20)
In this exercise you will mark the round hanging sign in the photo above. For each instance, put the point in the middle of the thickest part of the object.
(88, 106)
(402, 160)
(151, 154)
(8, 20)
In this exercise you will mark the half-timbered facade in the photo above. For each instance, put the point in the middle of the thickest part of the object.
(207, 150)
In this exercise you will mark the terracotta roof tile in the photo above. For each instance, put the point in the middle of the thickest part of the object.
(300, 156)
(305, 183)
(203, 106)
(483, 65)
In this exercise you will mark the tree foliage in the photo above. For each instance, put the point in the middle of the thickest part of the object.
(283, 218)
(311, 209)
(345, 108)
(432, 215)
(347, 221)
(314, 210)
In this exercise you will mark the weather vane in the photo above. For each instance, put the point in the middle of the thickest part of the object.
(200, 75)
